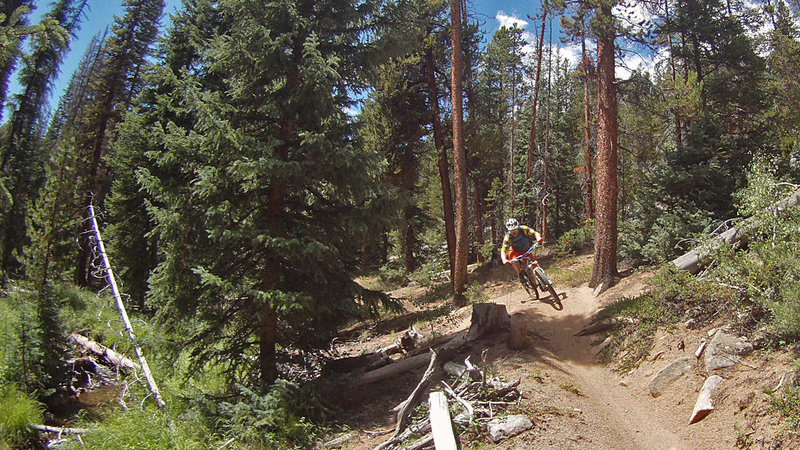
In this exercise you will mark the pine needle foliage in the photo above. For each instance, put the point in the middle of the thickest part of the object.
(262, 203)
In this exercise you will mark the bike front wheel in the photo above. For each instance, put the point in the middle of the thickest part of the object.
(546, 284)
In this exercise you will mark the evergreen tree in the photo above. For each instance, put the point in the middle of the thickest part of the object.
(117, 82)
(261, 202)
(23, 161)
(717, 100)
(13, 30)
(395, 120)
(459, 157)
(605, 242)
(54, 218)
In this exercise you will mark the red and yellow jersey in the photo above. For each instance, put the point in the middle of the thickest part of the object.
(521, 243)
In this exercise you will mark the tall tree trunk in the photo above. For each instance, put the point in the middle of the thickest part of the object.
(588, 196)
(444, 169)
(547, 134)
(532, 136)
(512, 148)
(469, 90)
(605, 246)
(459, 158)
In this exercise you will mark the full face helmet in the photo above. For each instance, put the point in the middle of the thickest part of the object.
(512, 224)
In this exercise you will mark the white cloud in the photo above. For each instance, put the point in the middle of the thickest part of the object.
(507, 21)
(572, 53)
(633, 62)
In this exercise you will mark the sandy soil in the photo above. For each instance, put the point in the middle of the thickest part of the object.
(577, 402)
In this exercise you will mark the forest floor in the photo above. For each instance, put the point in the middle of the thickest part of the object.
(573, 400)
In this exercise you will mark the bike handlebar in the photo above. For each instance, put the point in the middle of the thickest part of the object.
(530, 250)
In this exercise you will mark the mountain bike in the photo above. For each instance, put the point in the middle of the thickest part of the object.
(532, 275)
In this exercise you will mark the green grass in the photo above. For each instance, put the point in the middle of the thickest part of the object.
(17, 411)
(564, 272)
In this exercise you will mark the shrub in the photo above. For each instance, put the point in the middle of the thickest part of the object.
(576, 239)
(279, 419)
(767, 274)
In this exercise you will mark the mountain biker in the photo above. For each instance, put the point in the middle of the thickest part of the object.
(516, 242)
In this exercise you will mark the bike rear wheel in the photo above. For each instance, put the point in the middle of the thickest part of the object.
(547, 284)
(529, 283)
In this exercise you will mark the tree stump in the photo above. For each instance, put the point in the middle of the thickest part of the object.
(518, 338)
(488, 318)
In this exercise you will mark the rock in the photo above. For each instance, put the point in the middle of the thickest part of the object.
(500, 429)
(724, 350)
(669, 374)
(604, 344)
(703, 406)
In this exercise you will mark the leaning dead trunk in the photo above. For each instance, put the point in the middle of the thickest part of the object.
(151, 382)
(694, 260)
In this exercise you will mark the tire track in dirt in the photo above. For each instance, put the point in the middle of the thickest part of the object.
(616, 417)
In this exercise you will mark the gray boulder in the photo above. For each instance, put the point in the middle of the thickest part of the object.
(725, 350)
(668, 374)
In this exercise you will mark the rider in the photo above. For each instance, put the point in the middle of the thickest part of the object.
(517, 241)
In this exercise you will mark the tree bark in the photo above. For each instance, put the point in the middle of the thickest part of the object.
(444, 169)
(532, 136)
(547, 135)
(587, 132)
(459, 159)
(605, 247)
(479, 195)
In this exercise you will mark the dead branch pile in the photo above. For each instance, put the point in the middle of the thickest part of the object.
(480, 399)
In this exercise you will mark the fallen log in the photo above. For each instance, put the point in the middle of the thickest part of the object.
(441, 426)
(58, 430)
(111, 356)
(151, 382)
(407, 406)
(414, 362)
(367, 362)
(694, 259)
(407, 342)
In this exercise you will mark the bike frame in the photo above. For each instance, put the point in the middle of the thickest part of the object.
(533, 265)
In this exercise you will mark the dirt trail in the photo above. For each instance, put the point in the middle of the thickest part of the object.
(615, 417)
(575, 401)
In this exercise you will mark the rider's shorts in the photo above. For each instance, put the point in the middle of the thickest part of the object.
(513, 254)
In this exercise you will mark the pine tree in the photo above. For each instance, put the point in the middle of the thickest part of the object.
(23, 158)
(54, 217)
(459, 157)
(605, 247)
(262, 203)
(117, 82)
(394, 123)
(13, 30)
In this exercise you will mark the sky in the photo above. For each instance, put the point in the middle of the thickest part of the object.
(491, 14)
